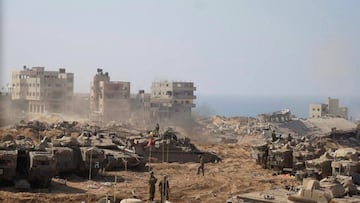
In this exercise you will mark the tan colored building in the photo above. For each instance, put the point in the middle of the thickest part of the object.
(43, 91)
(277, 116)
(109, 100)
(331, 108)
(172, 99)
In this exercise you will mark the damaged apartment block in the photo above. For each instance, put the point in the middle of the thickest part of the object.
(38, 91)
(172, 99)
(109, 100)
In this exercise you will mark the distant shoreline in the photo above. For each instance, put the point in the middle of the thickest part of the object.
(230, 106)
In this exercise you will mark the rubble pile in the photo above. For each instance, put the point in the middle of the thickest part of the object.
(227, 130)
(337, 168)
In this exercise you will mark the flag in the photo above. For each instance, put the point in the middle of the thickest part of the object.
(150, 142)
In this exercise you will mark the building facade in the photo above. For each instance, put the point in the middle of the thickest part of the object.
(331, 108)
(109, 100)
(277, 116)
(172, 99)
(43, 91)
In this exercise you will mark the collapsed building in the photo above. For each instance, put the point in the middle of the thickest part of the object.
(277, 116)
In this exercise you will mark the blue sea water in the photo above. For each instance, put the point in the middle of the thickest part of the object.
(231, 105)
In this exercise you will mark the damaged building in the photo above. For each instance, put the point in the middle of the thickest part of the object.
(172, 99)
(330, 109)
(109, 100)
(38, 91)
(277, 116)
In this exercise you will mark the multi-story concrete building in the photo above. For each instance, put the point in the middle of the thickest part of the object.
(172, 99)
(109, 99)
(331, 108)
(43, 91)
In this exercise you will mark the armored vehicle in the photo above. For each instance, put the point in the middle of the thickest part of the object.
(41, 168)
(21, 163)
(311, 191)
(319, 168)
(346, 162)
(116, 157)
(280, 159)
(8, 161)
(169, 148)
(271, 156)
(73, 158)
(260, 153)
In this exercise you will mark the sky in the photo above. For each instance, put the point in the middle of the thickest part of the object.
(254, 47)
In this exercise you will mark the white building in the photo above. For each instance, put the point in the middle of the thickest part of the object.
(172, 99)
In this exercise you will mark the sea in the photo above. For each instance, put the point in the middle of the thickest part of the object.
(251, 106)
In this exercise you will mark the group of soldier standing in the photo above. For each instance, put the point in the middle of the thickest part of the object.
(164, 187)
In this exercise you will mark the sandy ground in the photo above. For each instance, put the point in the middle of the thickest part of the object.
(236, 174)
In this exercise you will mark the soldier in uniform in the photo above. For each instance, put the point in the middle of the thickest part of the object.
(164, 189)
(201, 167)
(152, 182)
(273, 136)
(347, 186)
(157, 128)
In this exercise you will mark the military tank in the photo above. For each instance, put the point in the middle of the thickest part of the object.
(42, 167)
(73, 158)
(8, 161)
(116, 156)
(167, 147)
(24, 165)
(312, 191)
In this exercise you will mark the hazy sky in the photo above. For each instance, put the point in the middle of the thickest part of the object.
(226, 47)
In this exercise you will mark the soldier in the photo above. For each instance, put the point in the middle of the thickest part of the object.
(152, 182)
(289, 138)
(164, 189)
(273, 136)
(157, 128)
(201, 167)
(347, 186)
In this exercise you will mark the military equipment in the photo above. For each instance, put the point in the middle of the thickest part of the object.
(115, 156)
(169, 148)
(74, 158)
(41, 168)
(24, 165)
(312, 191)
(8, 161)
